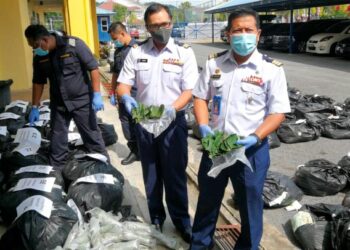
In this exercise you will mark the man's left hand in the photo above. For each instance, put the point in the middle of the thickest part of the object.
(248, 141)
(97, 102)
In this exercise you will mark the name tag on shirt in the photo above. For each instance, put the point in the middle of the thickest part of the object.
(216, 109)
(65, 55)
(217, 74)
(142, 60)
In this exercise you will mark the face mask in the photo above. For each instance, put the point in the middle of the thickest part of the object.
(162, 35)
(118, 44)
(40, 52)
(243, 44)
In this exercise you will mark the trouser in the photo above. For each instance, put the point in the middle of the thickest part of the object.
(128, 127)
(164, 160)
(248, 188)
(85, 120)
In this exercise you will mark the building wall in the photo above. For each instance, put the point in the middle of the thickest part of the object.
(103, 35)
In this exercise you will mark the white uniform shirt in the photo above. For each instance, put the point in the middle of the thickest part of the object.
(248, 92)
(160, 76)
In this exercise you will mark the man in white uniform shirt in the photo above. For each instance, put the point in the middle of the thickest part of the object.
(249, 95)
(164, 72)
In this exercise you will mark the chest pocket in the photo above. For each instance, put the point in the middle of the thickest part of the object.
(70, 66)
(171, 75)
(143, 72)
(255, 96)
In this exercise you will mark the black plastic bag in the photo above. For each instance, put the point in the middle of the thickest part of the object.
(273, 140)
(10, 200)
(13, 124)
(344, 163)
(336, 128)
(314, 103)
(340, 231)
(86, 196)
(108, 133)
(189, 116)
(33, 231)
(294, 132)
(312, 226)
(320, 177)
(76, 168)
(280, 190)
(5, 142)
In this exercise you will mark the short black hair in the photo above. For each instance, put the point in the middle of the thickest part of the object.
(115, 27)
(241, 12)
(36, 31)
(155, 8)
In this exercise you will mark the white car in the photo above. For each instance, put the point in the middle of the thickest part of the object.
(324, 43)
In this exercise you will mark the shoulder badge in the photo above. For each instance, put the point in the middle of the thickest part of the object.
(216, 55)
(71, 42)
(135, 45)
(273, 61)
(186, 45)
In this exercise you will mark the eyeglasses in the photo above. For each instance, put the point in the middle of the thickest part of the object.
(155, 27)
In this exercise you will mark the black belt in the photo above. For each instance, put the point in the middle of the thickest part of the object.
(180, 113)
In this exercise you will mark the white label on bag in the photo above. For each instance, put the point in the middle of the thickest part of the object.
(29, 140)
(95, 156)
(44, 117)
(8, 115)
(294, 206)
(300, 219)
(73, 136)
(21, 102)
(71, 126)
(3, 130)
(97, 178)
(44, 109)
(300, 121)
(74, 207)
(43, 169)
(279, 199)
(41, 184)
(79, 142)
(16, 104)
(38, 203)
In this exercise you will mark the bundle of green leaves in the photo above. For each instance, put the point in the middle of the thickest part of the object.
(219, 143)
(142, 112)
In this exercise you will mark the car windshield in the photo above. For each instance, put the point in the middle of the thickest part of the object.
(338, 27)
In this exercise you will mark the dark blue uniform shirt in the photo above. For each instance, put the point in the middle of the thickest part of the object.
(67, 69)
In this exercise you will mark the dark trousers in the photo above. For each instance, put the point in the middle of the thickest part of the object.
(85, 120)
(128, 127)
(164, 161)
(248, 187)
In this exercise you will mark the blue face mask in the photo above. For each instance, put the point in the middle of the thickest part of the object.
(243, 44)
(118, 44)
(40, 52)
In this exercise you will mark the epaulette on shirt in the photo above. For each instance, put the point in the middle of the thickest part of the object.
(139, 43)
(185, 45)
(216, 55)
(273, 61)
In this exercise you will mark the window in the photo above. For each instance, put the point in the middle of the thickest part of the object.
(104, 24)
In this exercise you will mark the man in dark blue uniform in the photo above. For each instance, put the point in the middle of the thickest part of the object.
(123, 42)
(65, 61)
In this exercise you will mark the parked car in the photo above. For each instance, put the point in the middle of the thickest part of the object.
(267, 33)
(134, 32)
(301, 33)
(223, 34)
(324, 43)
(280, 41)
(343, 48)
(178, 32)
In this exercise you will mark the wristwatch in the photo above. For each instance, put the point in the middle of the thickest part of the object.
(258, 140)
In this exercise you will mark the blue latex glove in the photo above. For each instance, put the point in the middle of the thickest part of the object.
(205, 130)
(112, 99)
(248, 142)
(129, 103)
(170, 112)
(97, 102)
(33, 116)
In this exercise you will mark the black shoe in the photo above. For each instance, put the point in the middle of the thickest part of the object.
(158, 227)
(130, 159)
(186, 234)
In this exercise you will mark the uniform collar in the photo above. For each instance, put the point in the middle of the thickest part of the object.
(170, 45)
(252, 62)
(60, 41)
(132, 42)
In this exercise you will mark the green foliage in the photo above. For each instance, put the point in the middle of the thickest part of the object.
(219, 143)
(143, 112)
(120, 13)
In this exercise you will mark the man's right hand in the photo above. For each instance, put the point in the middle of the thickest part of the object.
(129, 103)
(112, 99)
(205, 130)
(34, 115)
